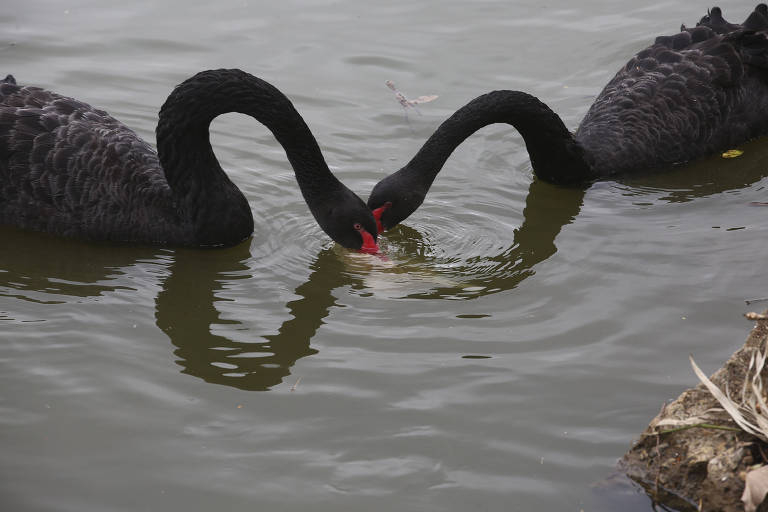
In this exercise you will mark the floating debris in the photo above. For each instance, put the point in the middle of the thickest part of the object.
(405, 102)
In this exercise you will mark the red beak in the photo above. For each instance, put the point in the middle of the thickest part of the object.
(377, 215)
(369, 244)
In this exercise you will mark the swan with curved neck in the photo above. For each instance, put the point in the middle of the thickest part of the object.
(70, 169)
(693, 94)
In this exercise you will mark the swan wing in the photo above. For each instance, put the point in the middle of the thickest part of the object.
(694, 93)
(64, 166)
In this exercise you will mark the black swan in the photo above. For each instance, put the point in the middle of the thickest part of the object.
(692, 94)
(70, 169)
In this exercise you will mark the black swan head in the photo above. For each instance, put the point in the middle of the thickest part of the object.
(689, 95)
(73, 170)
(395, 198)
(348, 221)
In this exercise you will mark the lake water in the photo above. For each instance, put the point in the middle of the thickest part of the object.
(516, 340)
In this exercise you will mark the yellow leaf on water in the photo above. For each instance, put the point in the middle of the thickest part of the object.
(732, 153)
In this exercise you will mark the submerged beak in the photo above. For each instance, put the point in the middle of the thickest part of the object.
(377, 215)
(369, 244)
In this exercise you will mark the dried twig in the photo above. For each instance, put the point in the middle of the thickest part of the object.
(750, 413)
(699, 425)
(658, 464)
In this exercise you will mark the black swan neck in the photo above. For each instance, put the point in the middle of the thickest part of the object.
(555, 156)
(191, 168)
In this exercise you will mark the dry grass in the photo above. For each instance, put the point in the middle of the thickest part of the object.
(749, 410)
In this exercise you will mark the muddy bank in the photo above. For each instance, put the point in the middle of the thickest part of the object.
(692, 456)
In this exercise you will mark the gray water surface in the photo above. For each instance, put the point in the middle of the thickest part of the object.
(515, 341)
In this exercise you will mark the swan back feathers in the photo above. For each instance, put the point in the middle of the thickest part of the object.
(690, 94)
(64, 165)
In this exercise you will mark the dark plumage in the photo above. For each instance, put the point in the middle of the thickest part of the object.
(73, 170)
(692, 94)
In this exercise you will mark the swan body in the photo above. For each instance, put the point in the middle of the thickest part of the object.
(70, 169)
(689, 95)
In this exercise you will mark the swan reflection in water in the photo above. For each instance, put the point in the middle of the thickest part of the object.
(186, 311)
(225, 351)
(206, 350)
(186, 308)
(214, 346)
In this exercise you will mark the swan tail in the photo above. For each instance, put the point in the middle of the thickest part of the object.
(714, 20)
(757, 20)
(9, 80)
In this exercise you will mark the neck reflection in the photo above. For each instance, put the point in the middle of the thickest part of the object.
(186, 311)
(548, 208)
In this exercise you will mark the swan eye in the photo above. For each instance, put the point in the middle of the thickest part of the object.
(357, 226)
